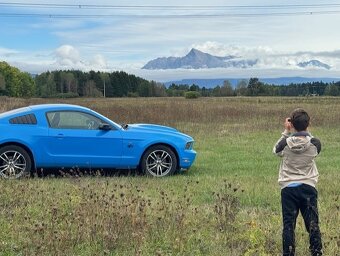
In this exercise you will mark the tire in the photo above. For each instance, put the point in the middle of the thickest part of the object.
(159, 161)
(15, 162)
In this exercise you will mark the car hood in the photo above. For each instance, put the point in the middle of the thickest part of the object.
(152, 127)
(160, 129)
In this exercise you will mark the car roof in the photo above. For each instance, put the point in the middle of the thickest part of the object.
(14, 111)
(51, 107)
(41, 107)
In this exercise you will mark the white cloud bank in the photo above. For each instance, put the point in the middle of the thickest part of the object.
(63, 58)
(219, 49)
(269, 58)
(271, 62)
(69, 57)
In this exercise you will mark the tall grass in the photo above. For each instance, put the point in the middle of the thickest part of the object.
(240, 113)
(227, 204)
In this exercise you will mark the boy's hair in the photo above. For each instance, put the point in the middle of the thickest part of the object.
(300, 119)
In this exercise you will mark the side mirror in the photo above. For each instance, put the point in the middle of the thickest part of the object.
(104, 127)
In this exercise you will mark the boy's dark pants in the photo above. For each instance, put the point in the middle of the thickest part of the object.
(303, 198)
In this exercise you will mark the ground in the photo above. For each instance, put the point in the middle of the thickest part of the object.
(228, 203)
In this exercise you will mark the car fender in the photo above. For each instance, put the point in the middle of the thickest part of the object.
(22, 144)
(150, 143)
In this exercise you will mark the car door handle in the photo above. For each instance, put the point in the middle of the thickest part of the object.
(60, 135)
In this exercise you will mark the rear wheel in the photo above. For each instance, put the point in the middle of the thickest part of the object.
(15, 162)
(159, 161)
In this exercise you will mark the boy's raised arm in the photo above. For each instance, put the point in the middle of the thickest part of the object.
(281, 143)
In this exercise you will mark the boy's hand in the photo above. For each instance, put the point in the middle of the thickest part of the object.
(288, 125)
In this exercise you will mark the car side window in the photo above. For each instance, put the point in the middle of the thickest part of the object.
(72, 120)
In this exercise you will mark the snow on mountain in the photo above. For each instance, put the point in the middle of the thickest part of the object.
(196, 59)
(313, 63)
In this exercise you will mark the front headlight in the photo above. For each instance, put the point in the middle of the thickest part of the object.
(189, 145)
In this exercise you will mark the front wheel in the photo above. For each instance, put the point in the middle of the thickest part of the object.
(15, 162)
(159, 161)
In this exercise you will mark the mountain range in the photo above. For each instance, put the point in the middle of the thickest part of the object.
(314, 63)
(196, 59)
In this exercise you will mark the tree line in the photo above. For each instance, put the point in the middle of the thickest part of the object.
(254, 87)
(75, 83)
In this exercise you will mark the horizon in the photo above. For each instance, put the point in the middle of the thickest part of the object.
(218, 81)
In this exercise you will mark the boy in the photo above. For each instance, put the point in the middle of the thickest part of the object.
(298, 176)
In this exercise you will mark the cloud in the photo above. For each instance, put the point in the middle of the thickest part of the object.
(67, 55)
(7, 52)
(220, 49)
(64, 57)
(327, 54)
(269, 58)
(99, 61)
(271, 62)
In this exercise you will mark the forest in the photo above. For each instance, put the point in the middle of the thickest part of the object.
(76, 83)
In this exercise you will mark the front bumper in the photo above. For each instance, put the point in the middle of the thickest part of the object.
(187, 159)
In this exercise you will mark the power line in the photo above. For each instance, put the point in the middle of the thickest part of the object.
(92, 16)
(197, 11)
(171, 7)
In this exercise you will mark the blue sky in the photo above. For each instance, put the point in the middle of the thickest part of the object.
(117, 36)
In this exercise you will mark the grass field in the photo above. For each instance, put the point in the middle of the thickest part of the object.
(228, 203)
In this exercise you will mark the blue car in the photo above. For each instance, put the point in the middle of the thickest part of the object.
(71, 136)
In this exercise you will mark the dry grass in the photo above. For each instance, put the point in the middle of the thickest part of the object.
(228, 204)
(99, 216)
(265, 112)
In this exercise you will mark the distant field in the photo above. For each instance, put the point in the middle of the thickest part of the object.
(228, 203)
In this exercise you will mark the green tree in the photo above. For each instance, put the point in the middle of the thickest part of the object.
(51, 86)
(241, 88)
(46, 85)
(157, 89)
(90, 89)
(70, 83)
(255, 87)
(205, 92)
(194, 87)
(2, 85)
(226, 89)
(26, 86)
(216, 92)
(332, 90)
(144, 89)
(14, 82)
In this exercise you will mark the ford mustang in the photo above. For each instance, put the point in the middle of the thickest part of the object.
(69, 136)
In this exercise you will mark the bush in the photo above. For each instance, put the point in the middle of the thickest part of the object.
(132, 94)
(192, 95)
(67, 95)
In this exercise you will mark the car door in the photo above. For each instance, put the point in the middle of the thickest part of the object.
(74, 139)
